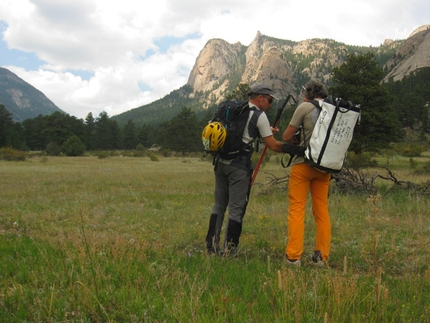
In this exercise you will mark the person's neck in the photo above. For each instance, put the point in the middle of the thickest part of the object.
(252, 104)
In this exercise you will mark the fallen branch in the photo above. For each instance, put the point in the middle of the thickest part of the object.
(351, 181)
(273, 181)
(423, 188)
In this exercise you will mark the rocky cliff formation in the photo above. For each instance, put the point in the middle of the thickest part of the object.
(286, 65)
(213, 66)
(412, 55)
(264, 62)
(283, 64)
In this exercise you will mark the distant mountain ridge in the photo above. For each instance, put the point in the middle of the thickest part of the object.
(21, 99)
(220, 66)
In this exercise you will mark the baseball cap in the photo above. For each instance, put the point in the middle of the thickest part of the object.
(260, 88)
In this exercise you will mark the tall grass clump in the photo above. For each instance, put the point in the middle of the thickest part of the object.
(121, 239)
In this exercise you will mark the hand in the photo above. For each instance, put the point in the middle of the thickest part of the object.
(275, 130)
(297, 135)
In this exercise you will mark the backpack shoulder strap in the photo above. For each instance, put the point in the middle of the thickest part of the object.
(235, 108)
(315, 103)
(299, 133)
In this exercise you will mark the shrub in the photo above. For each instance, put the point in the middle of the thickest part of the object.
(154, 157)
(139, 153)
(140, 147)
(73, 146)
(409, 149)
(166, 152)
(357, 161)
(11, 154)
(102, 154)
(53, 149)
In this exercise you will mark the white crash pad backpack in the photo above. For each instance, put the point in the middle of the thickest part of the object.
(332, 134)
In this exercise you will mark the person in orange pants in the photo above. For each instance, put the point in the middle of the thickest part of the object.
(305, 179)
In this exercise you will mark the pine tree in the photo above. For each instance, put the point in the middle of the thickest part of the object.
(359, 80)
(90, 132)
(129, 135)
(183, 132)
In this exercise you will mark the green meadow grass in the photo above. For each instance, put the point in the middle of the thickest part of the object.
(122, 240)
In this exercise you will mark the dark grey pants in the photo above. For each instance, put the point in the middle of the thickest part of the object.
(232, 185)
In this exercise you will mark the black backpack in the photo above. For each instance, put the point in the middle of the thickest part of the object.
(233, 114)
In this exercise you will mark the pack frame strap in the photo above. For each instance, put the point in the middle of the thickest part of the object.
(289, 160)
(302, 132)
(330, 126)
(278, 117)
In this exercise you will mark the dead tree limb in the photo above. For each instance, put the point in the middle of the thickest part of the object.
(423, 188)
(352, 181)
(272, 181)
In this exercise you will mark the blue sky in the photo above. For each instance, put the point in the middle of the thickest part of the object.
(97, 55)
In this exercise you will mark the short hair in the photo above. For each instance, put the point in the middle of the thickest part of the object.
(314, 89)
(252, 96)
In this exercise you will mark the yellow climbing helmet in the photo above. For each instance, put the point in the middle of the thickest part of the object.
(213, 136)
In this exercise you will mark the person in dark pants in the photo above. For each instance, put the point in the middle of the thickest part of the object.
(233, 177)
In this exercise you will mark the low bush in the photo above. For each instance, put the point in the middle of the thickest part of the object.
(12, 154)
(357, 161)
(409, 149)
(154, 157)
(53, 149)
(73, 146)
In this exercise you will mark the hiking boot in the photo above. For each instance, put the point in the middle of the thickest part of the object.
(317, 259)
(212, 251)
(230, 250)
(212, 237)
(293, 262)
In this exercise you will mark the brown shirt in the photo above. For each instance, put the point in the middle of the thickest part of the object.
(305, 115)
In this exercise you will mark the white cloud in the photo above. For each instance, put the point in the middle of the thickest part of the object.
(116, 41)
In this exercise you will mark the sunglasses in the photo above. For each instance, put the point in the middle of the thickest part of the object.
(269, 98)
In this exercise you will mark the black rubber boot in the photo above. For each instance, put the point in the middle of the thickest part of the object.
(234, 230)
(213, 235)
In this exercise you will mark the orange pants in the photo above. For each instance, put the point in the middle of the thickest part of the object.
(304, 178)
